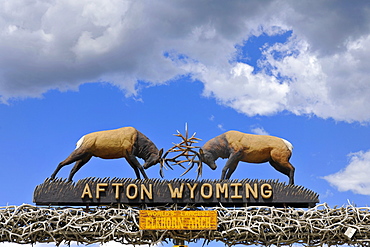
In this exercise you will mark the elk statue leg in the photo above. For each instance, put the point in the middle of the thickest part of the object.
(73, 157)
(131, 159)
(231, 165)
(284, 167)
(78, 165)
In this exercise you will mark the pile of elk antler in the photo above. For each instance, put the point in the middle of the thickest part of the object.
(184, 149)
(266, 226)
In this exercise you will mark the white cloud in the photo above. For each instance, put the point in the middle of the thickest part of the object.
(327, 26)
(321, 70)
(221, 127)
(306, 81)
(335, 86)
(251, 94)
(259, 131)
(64, 44)
(355, 177)
(327, 194)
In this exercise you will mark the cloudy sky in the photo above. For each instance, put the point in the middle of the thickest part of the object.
(293, 69)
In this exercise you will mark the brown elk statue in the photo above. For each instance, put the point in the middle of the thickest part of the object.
(126, 142)
(238, 146)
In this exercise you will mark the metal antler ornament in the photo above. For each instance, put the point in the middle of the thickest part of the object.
(184, 149)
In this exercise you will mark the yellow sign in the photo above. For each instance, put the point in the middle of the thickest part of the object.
(177, 220)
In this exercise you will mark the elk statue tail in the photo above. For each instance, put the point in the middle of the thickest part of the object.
(288, 144)
(79, 143)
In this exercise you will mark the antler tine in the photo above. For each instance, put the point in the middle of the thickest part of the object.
(195, 138)
(179, 155)
(179, 163)
(183, 137)
(189, 148)
(191, 166)
(165, 154)
(163, 162)
(178, 133)
(183, 167)
(173, 149)
(200, 167)
(168, 165)
(161, 168)
(186, 131)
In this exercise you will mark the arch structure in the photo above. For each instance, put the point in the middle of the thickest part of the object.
(246, 225)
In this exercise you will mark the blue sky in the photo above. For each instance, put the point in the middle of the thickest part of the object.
(292, 69)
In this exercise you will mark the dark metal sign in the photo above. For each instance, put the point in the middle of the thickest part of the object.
(93, 191)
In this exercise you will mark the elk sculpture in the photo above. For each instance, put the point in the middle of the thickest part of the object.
(126, 142)
(238, 146)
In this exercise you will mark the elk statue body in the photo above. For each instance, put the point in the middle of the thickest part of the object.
(238, 146)
(126, 142)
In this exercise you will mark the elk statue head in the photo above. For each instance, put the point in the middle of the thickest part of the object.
(208, 158)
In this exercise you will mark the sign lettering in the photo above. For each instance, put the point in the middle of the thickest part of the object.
(206, 190)
(181, 191)
(177, 220)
